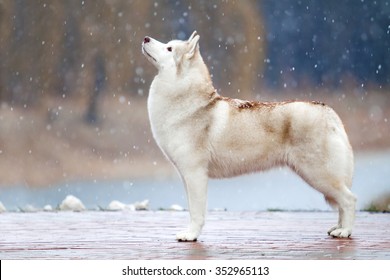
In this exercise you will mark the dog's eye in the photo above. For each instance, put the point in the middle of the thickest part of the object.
(169, 49)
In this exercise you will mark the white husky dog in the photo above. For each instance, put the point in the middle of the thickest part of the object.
(206, 135)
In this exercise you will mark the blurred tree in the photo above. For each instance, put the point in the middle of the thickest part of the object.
(92, 116)
(69, 62)
(28, 48)
(237, 28)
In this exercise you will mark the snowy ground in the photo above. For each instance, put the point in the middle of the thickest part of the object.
(276, 189)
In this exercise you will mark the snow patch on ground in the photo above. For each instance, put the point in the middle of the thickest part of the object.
(72, 203)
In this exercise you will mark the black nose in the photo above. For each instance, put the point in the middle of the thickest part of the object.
(146, 40)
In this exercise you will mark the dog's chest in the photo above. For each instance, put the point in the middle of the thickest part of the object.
(169, 120)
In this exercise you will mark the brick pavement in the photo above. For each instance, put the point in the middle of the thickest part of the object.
(227, 235)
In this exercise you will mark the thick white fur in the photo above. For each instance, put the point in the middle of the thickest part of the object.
(206, 135)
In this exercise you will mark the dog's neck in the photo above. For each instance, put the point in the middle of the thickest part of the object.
(201, 72)
(195, 79)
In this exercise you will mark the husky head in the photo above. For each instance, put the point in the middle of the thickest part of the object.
(174, 55)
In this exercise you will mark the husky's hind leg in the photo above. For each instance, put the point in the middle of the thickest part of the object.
(331, 174)
(340, 197)
(345, 201)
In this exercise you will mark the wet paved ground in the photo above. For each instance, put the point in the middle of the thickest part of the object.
(227, 235)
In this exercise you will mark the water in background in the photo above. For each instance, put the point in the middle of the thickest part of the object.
(275, 189)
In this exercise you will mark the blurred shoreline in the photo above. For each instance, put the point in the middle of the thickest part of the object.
(278, 189)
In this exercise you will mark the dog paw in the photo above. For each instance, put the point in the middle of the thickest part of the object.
(187, 236)
(333, 228)
(341, 232)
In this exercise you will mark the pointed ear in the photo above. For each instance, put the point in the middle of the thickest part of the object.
(193, 46)
(192, 36)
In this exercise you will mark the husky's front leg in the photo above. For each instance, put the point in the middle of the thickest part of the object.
(195, 182)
